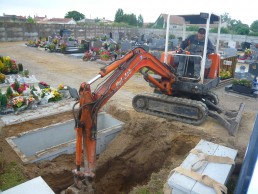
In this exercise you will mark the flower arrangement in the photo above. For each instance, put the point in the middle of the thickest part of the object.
(2, 78)
(31, 96)
(18, 101)
(43, 85)
(63, 46)
(22, 102)
(225, 74)
(87, 56)
(248, 52)
(105, 55)
(242, 82)
(8, 65)
(52, 47)
(19, 88)
(62, 87)
(95, 50)
(51, 94)
(55, 41)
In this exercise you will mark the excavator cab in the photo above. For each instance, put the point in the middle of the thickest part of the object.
(210, 64)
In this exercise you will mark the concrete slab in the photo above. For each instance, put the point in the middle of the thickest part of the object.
(182, 184)
(51, 141)
(36, 185)
(42, 111)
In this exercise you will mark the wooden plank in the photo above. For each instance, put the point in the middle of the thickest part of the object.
(184, 185)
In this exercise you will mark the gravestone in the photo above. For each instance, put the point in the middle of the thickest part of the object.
(65, 37)
(50, 39)
(116, 36)
(253, 69)
(229, 52)
(86, 45)
(126, 46)
(121, 35)
(96, 44)
(254, 48)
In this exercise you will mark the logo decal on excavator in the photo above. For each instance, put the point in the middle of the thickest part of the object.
(123, 78)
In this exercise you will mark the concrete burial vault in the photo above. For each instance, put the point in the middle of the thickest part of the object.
(53, 140)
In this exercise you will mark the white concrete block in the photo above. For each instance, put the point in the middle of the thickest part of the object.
(182, 184)
(36, 185)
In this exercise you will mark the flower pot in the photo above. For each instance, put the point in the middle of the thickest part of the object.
(242, 89)
(104, 59)
(41, 86)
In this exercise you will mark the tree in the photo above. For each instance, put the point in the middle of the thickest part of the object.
(131, 19)
(222, 30)
(75, 15)
(254, 26)
(225, 18)
(237, 27)
(30, 20)
(119, 15)
(192, 28)
(160, 22)
(140, 21)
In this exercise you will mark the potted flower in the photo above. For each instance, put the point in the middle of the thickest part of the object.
(105, 56)
(242, 86)
(19, 88)
(87, 56)
(2, 78)
(43, 85)
(63, 47)
(63, 90)
(51, 95)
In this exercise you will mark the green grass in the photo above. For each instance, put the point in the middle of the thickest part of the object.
(11, 176)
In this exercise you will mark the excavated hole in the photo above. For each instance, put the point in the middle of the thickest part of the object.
(145, 146)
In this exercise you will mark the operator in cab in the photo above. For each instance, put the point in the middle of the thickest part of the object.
(195, 45)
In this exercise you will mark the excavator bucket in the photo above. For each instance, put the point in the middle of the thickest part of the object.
(229, 119)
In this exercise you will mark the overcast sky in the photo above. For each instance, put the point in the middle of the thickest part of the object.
(243, 10)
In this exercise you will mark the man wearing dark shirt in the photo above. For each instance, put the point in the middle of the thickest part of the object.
(195, 45)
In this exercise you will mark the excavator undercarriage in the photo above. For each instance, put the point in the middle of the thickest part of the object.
(187, 111)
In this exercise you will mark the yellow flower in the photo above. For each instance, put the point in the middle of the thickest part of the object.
(60, 86)
(7, 58)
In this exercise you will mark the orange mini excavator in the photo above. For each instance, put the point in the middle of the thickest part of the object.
(175, 98)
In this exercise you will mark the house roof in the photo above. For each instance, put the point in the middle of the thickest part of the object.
(61, 20)
(174, 19)
(37, 18)
(16, 16)
(190, 20)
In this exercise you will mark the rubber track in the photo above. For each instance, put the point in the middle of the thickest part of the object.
(202, 108)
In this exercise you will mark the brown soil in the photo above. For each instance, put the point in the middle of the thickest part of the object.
(145, 151)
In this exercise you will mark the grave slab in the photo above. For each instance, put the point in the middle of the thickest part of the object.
(36, 185)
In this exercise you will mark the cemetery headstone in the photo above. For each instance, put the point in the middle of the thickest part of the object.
(126, 46)
(96, 44)
(229, 52)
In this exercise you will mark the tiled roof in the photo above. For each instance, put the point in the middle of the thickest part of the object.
(174, 19)
(63, 20)
(18, 17)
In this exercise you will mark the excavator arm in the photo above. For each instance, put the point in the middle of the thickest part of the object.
(120, 72)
